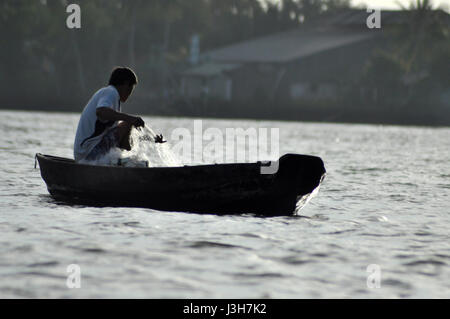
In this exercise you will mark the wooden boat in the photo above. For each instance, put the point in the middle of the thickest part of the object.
(216, 189)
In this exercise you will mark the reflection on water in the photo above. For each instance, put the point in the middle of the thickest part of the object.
(384, 201)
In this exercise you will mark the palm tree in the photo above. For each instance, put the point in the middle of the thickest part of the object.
(424, 30)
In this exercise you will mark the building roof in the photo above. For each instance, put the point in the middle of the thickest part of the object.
(210, 69)
(287, 46)
(330, 31)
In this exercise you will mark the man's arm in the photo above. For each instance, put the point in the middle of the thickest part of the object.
(108, 114)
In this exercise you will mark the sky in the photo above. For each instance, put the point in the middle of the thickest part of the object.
(393, 4)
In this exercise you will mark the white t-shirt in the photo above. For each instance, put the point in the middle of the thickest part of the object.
(90, 128)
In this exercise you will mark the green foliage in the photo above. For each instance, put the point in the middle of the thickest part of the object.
(54, 64)
(415, 63)
(46, 58)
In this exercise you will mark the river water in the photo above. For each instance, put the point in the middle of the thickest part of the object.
(378, 228)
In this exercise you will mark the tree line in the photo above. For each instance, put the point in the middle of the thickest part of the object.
(44, 64)
(54, 64)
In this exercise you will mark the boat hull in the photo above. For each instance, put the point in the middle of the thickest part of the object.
(215, 189)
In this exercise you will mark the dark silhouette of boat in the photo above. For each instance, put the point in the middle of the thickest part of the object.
(261, 188)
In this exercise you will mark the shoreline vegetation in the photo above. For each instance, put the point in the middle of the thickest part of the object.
(403, 79)
(369, 118)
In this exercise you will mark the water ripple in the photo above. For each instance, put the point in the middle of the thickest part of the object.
(382, 202)
(211, 244)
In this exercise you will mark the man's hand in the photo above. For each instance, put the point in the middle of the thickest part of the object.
(159, 139)
(136, 121)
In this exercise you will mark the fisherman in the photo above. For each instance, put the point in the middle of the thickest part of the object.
(102, 124)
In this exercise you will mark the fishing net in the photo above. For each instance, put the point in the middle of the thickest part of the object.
(145, 152)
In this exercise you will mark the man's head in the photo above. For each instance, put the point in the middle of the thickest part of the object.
(124, 79)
